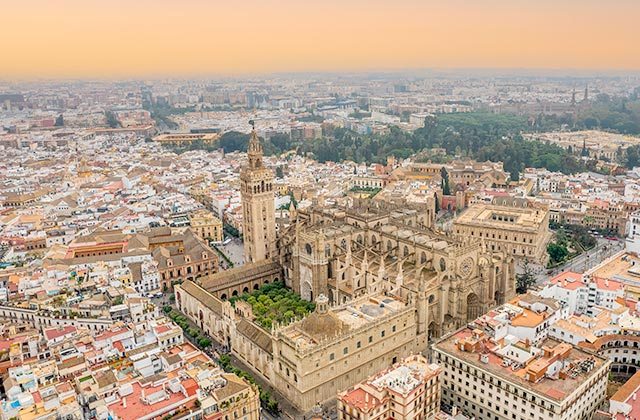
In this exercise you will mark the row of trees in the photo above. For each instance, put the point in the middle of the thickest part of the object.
(192, 332)
(479, 135)
(266, 399)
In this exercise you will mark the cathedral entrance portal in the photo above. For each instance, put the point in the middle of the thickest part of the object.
(474, 309)
(433, 331)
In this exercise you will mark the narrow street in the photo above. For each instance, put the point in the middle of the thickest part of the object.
(217, 348)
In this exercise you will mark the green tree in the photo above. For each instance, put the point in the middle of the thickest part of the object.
(633, 156)
(557, 252)
(279, 172)
(112, 121)
(204, 342)
(515, 175)
(561, 237)
(526, 279)
(446, 190)
(225, 361)
(234, 141)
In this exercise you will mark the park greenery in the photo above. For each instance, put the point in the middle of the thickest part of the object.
(479, 135)
(112, 120)
(576, 235)
(360, 115)
(557, 253)
(570, 240)
(162, 111)
(275, 303)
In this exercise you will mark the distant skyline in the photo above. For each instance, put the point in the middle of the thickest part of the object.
(199, 38)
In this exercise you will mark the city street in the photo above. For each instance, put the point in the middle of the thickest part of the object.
(581, 263)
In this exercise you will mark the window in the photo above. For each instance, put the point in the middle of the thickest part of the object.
(332, 356)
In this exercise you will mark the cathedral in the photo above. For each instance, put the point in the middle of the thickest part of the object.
(384, 280)
(371, 247)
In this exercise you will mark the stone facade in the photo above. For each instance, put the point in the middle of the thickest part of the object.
(344, 252)
(206, 225)
(384, 280)
(385, 285)
(258, 205)
(508, 225)
(308, 360)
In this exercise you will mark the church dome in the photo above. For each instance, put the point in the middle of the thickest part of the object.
(323, 323)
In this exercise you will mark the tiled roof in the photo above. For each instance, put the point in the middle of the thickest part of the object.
(204, 297)
(256, 335)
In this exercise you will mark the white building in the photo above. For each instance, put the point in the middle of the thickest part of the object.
(583, 328)
(579, 293)
(632, 242)
(526, 318)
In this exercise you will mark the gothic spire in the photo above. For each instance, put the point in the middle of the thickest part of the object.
(382, 272)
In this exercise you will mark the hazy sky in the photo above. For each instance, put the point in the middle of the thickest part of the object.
(119, 38)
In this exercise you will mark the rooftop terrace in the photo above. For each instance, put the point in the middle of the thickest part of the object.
(554, 370)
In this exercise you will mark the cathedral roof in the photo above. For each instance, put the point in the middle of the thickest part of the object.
(255, 334)
(322, 325)
(242, 273)
(203, 296)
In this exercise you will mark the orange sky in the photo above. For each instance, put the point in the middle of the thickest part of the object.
(117, 38)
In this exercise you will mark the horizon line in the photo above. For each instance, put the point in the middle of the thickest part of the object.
(580, 72)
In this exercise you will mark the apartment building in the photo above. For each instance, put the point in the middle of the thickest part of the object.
(409, 389)
(511, 379)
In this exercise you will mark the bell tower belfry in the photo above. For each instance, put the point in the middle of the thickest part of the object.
(258, 205)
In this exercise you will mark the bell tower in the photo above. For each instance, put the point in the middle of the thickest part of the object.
(258, 205)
